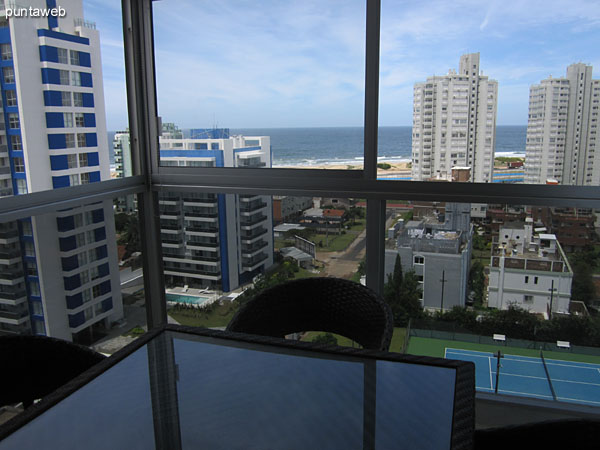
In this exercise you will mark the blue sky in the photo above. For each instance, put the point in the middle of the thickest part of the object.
(245, 64)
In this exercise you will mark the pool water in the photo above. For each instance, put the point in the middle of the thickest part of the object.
(189, 299)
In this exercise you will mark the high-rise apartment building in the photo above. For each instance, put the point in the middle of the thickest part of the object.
(216, 241)
(454, 123)
(59, 271)
(123, 168)
(561, 130)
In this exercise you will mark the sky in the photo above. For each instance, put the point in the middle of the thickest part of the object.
(276, 63)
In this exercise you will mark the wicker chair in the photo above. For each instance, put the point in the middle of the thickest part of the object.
(318, 304)
(34, 366)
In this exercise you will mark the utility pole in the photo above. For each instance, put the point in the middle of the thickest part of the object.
(498, 356)
(551, 298)
(443, 281)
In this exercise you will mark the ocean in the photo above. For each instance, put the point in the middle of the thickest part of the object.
(316, 146)
(344, 145)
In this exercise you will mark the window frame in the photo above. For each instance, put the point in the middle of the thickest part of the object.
(8, 74)
(149, 177)
(6, 55)
(74, 57)
(62, 55)
(12, 101)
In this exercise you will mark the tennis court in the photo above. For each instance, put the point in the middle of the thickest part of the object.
(567, 381)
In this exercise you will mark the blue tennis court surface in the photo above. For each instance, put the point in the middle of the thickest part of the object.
(575, 382)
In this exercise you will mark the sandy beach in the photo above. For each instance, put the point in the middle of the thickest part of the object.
(396, 169)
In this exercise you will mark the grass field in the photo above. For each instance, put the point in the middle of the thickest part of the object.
(215, 316)
(436, 348)
(396, 346)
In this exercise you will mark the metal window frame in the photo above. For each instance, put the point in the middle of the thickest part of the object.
(350, 183)
(150, 178)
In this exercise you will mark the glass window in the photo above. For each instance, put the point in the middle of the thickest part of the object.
(90, 236)
(96, 291)
(68, 120)
(74, 57)
(29, 249)
(75, 78)
(86, 295)
(72, 161)
(88, 313)
(77, 99)
(64, 77)
(27, 228)
(89, 217)
(19, 164)
(83, 160)
(11, 97)
(74, 179)
(37, 308)
(85, 178)
(80, 239)
(82, 259)
(63, 56)
(31, 268)
(39, 327)
(70, 140)
(6, 52)
(13, 121)
(79, 121)
(34, 287)
(81, 141)
(15, 141)
(84, 277)
(333, 87)
(21, 186)
(78, 220)
(94, 273)
(66, 98)
(9, 74)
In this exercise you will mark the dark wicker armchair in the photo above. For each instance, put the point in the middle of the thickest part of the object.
(35, 366)
(318, 304)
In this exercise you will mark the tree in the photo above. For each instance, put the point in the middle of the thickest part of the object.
(477, 282)
(479, 242)
(355, 213)
(130, 235)
(402, 293)
(583, 262)
(325, 339)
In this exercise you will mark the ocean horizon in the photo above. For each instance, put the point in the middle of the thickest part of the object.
(344, 145)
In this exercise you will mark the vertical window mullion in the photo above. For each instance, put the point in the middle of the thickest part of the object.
(375, 255)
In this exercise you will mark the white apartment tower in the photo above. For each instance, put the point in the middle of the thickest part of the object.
(62, 277)
(123, 169)
(454, 123)
(561, 130)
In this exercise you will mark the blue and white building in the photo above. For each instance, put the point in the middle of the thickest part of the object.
(216, 241)
(60, 274)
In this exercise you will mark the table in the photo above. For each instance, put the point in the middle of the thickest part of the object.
(180, 387)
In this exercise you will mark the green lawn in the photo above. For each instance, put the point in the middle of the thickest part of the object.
(396, 346)
(436, 348)
(215, 316)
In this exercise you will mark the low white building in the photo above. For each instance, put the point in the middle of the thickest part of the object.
(529, 270)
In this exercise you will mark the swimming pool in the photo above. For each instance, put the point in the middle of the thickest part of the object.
(189, 299)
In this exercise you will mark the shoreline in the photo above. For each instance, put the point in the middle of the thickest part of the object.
(396, 168)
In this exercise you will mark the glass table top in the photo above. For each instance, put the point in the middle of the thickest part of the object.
(187, 391)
